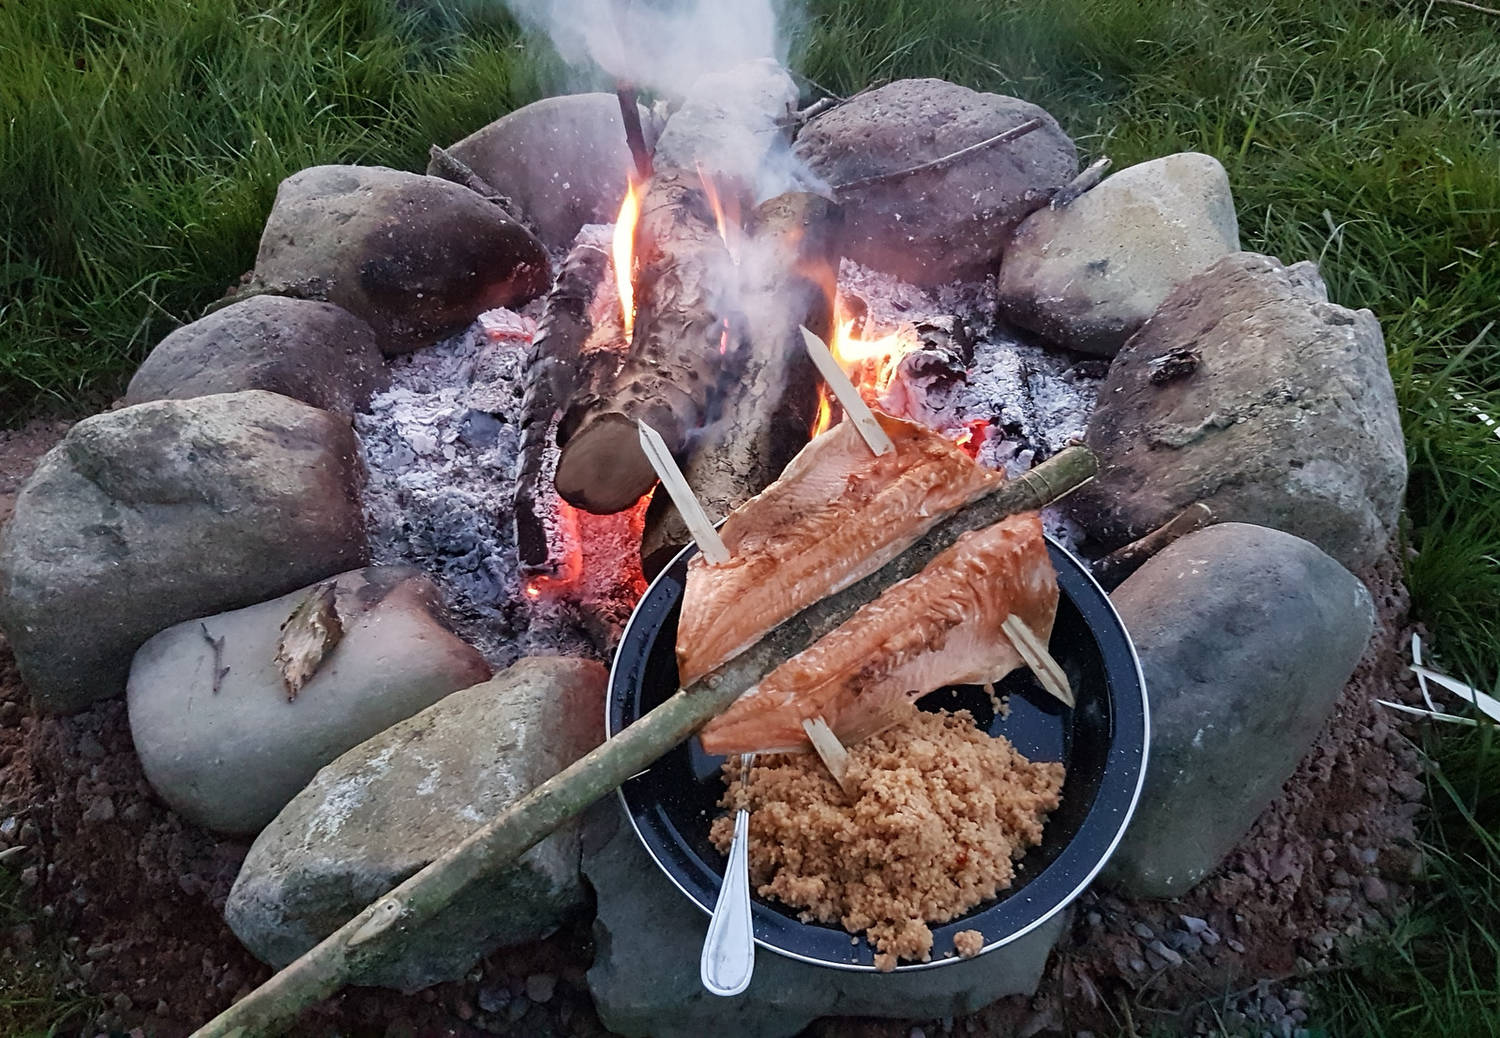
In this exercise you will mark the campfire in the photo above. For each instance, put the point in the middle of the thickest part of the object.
(559, 374)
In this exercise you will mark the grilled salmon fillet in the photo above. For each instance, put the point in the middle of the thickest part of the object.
(836, 515)
(939, 627)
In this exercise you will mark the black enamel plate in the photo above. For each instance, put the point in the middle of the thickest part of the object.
(1102, 742)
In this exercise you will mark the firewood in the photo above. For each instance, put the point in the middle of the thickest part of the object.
(726, 133)
(376, 931)
(683, 272)
(790, 265)
(1112, 570)
(551, 374)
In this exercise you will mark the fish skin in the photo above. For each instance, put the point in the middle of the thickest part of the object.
(836, 515)
(940, 627)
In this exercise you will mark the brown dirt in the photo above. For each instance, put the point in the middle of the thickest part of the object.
(131, 895)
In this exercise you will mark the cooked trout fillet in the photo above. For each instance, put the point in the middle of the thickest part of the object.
(837, 514)
(940, 627)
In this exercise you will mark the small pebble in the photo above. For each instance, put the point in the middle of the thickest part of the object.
(540, 987)
(1374, 889)
(493, 999)
(1236, 946)
(90, 747)
(517, 1008)
(916, 1032)
(1164, 952)
(1138, 965)
(1338, 904)
(1340, 878)
(1143, 931)
(100, 809)
(1195, 926)
(29, 876)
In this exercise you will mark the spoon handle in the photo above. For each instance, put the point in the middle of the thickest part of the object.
(729, 948)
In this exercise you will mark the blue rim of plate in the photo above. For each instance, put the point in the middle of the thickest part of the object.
(1103, 742)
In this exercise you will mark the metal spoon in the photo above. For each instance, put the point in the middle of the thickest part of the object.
(729, 948)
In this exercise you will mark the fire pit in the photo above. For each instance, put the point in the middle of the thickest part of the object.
(1103, 743)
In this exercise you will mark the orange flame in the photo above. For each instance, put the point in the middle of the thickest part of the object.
(726, 214)
(623, 253)
(870, 363)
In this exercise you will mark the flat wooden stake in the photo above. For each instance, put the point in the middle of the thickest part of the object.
(697, 520)
(854, 405)
(835, 757)
(1034, 652)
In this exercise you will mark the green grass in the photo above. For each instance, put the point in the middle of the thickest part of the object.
(144, 140)
(33, 1003)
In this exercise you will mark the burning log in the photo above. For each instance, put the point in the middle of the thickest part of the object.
(552, 369)
(724, 139)
(378, 928)
(793, 256)
(674, 362)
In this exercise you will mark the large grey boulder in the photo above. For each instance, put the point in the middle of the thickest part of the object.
(1089, 274)
(561, 160)
(391, 805)
(220, 739)
(413, 256)
(314, 352)
(933, 227)
(1246, 637)
(647, 940)
(1250, 391)
(154, 514)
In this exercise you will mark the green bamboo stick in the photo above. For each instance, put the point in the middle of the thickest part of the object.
(271, 1008)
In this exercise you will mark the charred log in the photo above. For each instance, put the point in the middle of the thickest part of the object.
(682, 282)
(727, 134)
(792, 260)
(552, 366)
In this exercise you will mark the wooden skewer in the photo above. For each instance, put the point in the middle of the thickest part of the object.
(835, 757)
(697, 520)
(854, 405)
(1034, 652)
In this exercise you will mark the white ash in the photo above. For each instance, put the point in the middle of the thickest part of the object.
(1023, 402)
(440, 450)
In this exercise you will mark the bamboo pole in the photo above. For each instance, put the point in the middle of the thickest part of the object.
(273, 1007)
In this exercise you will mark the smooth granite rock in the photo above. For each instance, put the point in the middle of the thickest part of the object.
(1249, 391)
(413, 256)
(562, 160)
(229, 757)
(1246, 636)
(648, 936)
(1088, 275)
(314, 352)
(147, 516)
(952, 222)
(391, 805)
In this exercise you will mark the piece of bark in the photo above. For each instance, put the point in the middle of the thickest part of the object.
(1112, 569)
(307, 636)
(684, 275)
(791, 261)
(550, 375)
(273, 1007)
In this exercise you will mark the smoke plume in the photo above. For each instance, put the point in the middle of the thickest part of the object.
(661, 45)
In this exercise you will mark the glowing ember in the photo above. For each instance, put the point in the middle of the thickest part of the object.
(623, 254)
